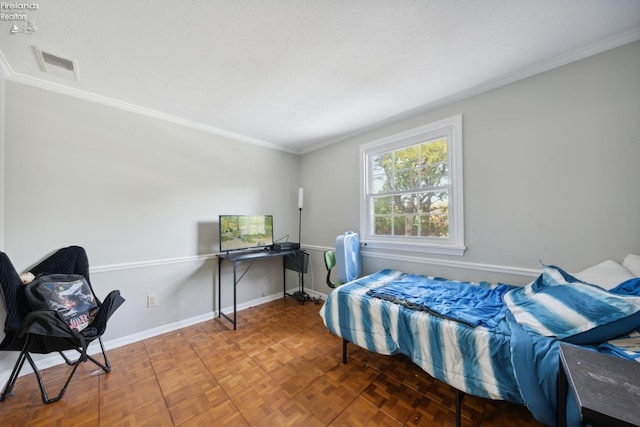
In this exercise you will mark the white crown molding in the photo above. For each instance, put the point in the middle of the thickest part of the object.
(5, 68)
(99, 99)
(559, 61)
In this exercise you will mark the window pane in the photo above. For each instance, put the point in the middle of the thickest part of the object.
(382, 163)
(382, 205)
(434, 208)
(434, 160)
(382, 177)
(433, 152)
(382, 226)
(407, 158)
(434, 202)
(434, 175)
(435, 226)
(381, 183)
(406, 203)
(401, 226)
(407, 179)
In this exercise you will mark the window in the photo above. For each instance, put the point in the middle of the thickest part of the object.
(411, 186)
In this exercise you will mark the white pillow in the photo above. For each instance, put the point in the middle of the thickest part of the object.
(608, 274)
(632, 263)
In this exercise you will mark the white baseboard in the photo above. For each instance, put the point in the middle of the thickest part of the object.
(149, 333)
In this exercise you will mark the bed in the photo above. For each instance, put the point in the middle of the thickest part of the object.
(495, 341)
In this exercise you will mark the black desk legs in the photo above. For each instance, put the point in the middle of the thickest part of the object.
(235, 293)
(219, 287)
(284, 279)
(234, 321)
(238, 258)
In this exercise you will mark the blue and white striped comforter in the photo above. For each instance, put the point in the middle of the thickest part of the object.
(476, 360)
(512, 358)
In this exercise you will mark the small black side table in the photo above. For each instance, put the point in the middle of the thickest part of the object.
(606, 388)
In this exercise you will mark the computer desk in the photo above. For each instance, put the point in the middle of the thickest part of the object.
(292, 259)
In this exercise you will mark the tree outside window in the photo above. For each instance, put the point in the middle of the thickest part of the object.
(411, 195)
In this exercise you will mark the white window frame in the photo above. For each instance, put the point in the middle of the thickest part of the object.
(451, 128)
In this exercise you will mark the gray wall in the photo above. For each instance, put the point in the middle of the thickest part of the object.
(3, 314)
(550, 173)
(128, 187)
(2, 132)
(143, 197)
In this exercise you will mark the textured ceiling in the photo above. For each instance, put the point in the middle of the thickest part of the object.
(299, 74)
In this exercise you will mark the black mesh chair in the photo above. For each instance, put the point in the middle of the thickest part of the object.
(46, 331)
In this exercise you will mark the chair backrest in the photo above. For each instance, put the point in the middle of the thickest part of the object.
(68, 260)
(330, 262)
(10, 283)
(330, 259)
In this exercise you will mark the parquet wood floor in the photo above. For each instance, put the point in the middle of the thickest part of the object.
(281, 367)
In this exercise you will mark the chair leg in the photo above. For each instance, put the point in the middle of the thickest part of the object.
(66, 359)
(43, 391)
(24, 355)
(106, 366)
(8, 389)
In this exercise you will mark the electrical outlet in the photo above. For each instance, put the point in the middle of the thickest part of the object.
(152, 300)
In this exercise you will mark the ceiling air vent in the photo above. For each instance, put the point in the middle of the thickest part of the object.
(57, 65)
